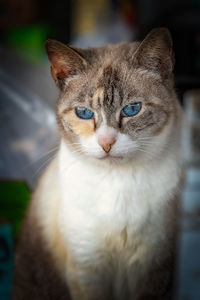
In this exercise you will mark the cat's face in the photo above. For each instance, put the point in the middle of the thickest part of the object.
(113, 104)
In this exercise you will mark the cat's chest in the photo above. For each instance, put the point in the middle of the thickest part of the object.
(117, 203)
(100, 195)
(100, 206)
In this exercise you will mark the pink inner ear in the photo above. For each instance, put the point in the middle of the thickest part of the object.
(65, 61)
(58, 70)
(58, 73)
(53, 73)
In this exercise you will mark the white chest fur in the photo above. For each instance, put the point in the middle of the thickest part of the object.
(99, 202)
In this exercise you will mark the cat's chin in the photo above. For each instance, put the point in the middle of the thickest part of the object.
(111, 158)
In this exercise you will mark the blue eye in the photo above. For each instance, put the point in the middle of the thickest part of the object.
(84, 113)
(131, 109)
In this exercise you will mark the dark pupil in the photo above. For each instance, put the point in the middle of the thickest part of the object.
(83, 111)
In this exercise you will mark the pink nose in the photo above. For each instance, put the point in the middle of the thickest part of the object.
(106, 141)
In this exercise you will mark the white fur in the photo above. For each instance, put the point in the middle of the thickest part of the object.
(99, 199)
(123, 147)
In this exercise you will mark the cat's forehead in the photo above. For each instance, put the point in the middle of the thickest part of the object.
(112, 81)
(114, 85)
(111, 86)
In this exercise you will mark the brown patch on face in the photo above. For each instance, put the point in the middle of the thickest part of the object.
(97, 96)
(99, 93)
(83, 128)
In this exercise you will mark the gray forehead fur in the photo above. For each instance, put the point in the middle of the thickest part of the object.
(111, 68)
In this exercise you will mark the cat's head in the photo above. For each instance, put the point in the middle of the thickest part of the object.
(116, 102)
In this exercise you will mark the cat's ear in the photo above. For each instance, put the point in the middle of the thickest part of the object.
(66, 61)
(155, 52)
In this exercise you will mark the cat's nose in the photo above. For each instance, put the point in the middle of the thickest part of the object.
(106, 142)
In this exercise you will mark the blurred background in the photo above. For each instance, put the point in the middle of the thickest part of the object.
(28, 131)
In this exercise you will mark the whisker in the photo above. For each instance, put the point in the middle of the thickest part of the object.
(46, 154)
(76, 151)
(125, 147)
(69, 144)
(167, 146)
(43, 165)
(151, 154)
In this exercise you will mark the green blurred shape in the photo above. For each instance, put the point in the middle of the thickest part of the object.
(29, 41)
(14, 198)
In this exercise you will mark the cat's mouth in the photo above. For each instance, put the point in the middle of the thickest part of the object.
(110, 157)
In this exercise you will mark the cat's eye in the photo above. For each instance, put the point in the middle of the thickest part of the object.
(84, 113)
(131, 110)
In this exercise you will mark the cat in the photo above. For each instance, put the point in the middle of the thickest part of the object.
(103, 218)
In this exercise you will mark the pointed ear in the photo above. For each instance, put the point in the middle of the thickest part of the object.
(155, 52)
(66, 61)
